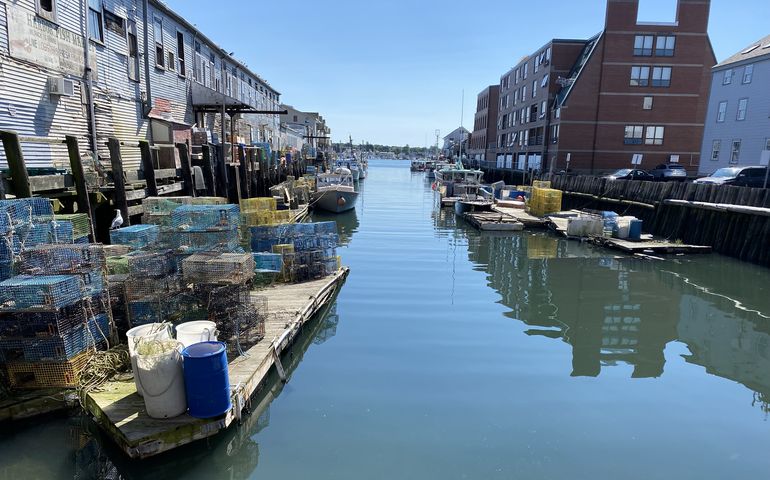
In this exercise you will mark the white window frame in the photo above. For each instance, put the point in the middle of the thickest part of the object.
(100, 12)
(647, 103)
(722, 111)
(727, 77)
(743, 106)
(159, 44)
(748, 74)
(716, 150)
(180, 59)
(735, 151)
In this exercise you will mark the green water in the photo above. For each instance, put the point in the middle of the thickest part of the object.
(452, 354)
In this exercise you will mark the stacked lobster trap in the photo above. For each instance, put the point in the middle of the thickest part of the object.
(54, 314)
(307, 251)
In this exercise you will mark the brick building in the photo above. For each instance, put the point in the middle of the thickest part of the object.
(635, 88)
(483, 138)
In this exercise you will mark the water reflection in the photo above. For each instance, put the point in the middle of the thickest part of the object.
(618, 310)
(347, 223)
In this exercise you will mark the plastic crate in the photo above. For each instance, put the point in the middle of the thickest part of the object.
(135, 236)
(25, 292)
(27, 375)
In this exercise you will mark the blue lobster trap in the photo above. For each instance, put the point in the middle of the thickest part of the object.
(135, 236)
(26, 292)
(62, 259)
(24, 211)
(203, 218)
(55, 322)
(268, 262)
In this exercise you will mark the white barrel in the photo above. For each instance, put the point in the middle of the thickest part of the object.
(151, 331)
(190, 333)
(159, 371)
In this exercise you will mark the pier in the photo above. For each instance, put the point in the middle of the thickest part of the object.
(119, 410)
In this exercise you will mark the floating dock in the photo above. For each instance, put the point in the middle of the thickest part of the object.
(28, 404)
(493, 222)
(120, 411)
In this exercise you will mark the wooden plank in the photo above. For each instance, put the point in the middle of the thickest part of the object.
(187, 178)
(208, 171)
(34, 403)
(120, 411)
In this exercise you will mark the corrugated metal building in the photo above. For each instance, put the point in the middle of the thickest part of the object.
(188, 74)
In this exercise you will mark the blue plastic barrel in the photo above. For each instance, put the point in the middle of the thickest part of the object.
(635, 231)
(207, 382)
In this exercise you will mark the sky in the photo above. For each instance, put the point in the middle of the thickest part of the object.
(394, 72)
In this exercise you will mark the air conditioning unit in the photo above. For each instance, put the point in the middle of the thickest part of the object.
(61, 86)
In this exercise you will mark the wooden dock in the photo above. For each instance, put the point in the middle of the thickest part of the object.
(493, 222)
(650, 246)
(119, 410)
(520, 215)
(32, 403)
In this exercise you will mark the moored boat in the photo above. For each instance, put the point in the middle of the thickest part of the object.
(335, 192)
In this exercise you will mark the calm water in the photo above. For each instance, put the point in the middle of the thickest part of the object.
(452, 354)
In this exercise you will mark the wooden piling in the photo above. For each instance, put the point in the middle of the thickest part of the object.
(208, 171)
(16, 164)
(81, 188)
(148, 168)
(119, 182)
(243, 170)
(184, 158)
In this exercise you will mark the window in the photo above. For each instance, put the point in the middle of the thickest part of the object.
(643, 45)
(743, 104)
(534, 89)
(654, 136)
(640, 76)
(767, 144)
(555, 133)
(664, 46)
(533, 113)
(661, 77)
(526, 70)
(95, 22)
(515, 97)
(633, 135)
(160, 53)
(548, 54)
(47, 9)
(647, 103)
(728, 77)
(133, 53)
(716, 146)
(544, 82)
(523, 93)
(170, 62)
(735, 153)
(748, 74)
(722, 112)
(180, 53)
(527, 114)
(114, 23)
(543, 107)
(558, 113)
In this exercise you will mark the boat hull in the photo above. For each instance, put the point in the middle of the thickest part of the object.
(335, 201)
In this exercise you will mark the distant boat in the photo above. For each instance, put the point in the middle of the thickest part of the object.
(335, 192)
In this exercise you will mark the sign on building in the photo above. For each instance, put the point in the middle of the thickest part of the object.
(36, 40)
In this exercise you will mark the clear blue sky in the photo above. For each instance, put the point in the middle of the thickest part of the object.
(393, 72)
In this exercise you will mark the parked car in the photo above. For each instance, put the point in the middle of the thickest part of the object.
(669, 172)
(629, 174)
(738, 176)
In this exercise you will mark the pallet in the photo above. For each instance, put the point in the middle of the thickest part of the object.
(119, 410)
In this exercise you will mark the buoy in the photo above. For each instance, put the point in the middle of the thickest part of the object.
(341, 201)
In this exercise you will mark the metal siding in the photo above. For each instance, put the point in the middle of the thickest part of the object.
(3, 30)
(27, 108)
(168, 84)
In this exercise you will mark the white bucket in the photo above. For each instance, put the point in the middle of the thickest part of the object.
(151, 331)
(190, 333)
(160, 373)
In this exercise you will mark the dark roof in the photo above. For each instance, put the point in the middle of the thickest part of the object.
(760, 48)
(574, 74)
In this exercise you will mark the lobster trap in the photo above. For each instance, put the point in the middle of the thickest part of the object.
(203, 218)
(151, 264)
(61, 259)
(33, 375)
(135, 236)
(25, 292)
(81, 224)
(24, 211)
(218, 268)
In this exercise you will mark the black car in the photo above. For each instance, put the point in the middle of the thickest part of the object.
(629, 174)
(669, 172)
(738, 176)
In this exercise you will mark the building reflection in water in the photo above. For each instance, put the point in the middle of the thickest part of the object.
(625, 311)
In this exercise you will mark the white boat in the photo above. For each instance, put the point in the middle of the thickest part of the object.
(335, 192)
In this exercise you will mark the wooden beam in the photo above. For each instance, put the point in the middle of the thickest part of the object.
(2, 186)
(720, 207)
(184, 158)
(243, 175)
(76, 165)
(16, 165)
(119, 194)
(208, 171)
(148, 168)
